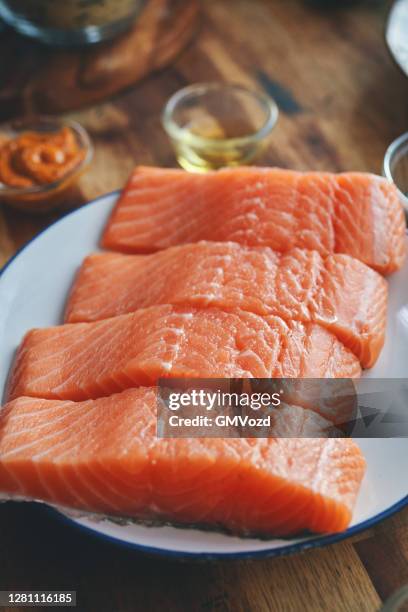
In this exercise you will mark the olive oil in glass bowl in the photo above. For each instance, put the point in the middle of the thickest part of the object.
(212, 125)
(70, 22)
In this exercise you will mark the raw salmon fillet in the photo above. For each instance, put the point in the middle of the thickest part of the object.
(103, 456)
(339, 292)
(353, 213)
(88, 360)
(335, 401)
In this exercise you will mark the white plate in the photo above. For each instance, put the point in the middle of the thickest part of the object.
(33, 289)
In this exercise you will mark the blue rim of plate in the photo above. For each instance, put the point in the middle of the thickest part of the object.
(315, 542)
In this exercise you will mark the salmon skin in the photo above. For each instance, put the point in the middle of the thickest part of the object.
(339, 292)
(87, 360)
(353, 213)
(103, 456)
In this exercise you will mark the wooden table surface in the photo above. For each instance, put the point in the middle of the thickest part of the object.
(342, 101)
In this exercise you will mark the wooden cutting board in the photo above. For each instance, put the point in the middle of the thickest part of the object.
(52, 80)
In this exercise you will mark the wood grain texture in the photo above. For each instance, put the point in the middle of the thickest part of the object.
(342, 101)
(38, 551)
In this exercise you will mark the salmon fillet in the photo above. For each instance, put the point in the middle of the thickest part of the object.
(338, 291)
(103, 456)
(88, 360)
(334, 400)
(353, 213)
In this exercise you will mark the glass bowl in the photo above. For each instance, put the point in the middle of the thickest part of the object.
(45, 197)
(398, 602)
(70, 22)
(212, 125)
(395, 167)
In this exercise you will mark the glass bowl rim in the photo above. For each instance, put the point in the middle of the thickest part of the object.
(390, 153)
(178, 133)
(32, 123)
